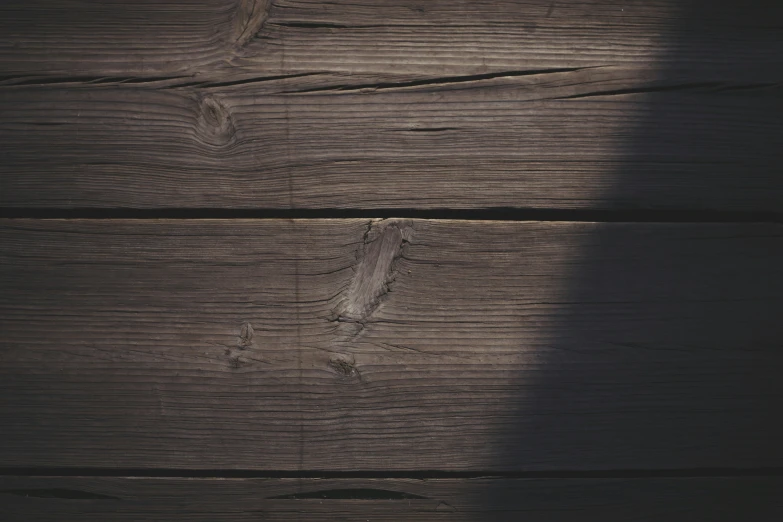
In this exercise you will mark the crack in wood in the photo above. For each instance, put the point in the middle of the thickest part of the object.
(682, 87)
(351, 494)
(643, 90)
(244, 81)
(439, 82)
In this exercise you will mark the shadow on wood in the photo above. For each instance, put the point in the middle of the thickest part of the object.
(718, 318)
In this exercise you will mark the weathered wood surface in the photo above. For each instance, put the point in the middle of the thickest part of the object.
(85, 40)
(171, 39)
(284, 348)
(390, 104)
(396, 344)
(563, 500)
(509, 142)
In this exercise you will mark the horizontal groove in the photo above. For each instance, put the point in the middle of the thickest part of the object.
(401, 474)
(480, 214)
(439, 81)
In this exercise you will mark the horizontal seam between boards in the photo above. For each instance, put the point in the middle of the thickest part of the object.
(457, 214)
(394, 474)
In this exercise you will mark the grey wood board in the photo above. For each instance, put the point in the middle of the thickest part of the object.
(177, 39)
(478, 499)
(389, 345)
(563, 140)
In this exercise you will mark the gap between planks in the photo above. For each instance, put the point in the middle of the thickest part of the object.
(456, 214)
(775, 471)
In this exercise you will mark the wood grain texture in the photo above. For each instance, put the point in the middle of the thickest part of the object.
(421, 38)
(619, 500)
(473, 37)
(396, 344)
(550, 140)
(390, 104)
(89, 40)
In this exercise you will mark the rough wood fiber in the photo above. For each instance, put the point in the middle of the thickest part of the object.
(549, 140)
(167, 40)
(348, 344)
(393, 104)
(105, 40)
(474, 37)
(562, 500)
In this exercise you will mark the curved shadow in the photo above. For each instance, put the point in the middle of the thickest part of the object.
(682, 371)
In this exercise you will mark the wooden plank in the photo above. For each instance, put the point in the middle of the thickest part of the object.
(88, 40)
(549, 140)
(396, 344)
(417, 104)
(413, 38)
(474, 37)
(605, 500)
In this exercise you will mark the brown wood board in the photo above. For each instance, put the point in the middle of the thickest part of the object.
(389, 345)
(169, 40)
(477, 499)
(541, 141)
(404, 104)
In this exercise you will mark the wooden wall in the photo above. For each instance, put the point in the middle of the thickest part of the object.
(391, 260)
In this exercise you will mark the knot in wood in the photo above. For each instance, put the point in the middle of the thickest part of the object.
(214, 123)
(245, 336)
(384, 243)
(345, 366)
(249, 19)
